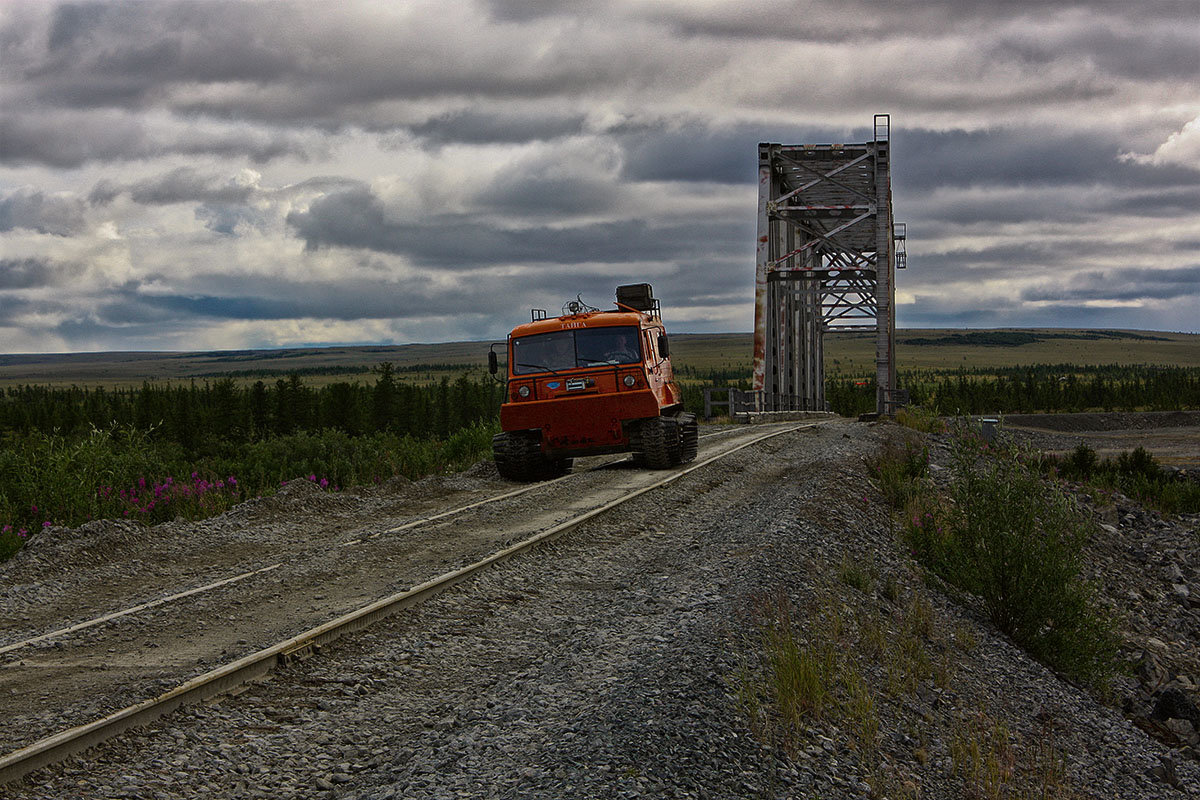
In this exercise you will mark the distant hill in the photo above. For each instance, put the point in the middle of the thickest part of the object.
(1018, 338)
(845, 353)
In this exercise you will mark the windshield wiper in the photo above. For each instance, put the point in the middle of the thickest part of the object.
(539, 366)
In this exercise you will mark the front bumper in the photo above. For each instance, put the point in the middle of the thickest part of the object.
(582, 424)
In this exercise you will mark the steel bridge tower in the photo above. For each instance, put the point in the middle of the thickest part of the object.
(826, 260)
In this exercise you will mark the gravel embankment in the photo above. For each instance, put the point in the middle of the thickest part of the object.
(610, 665)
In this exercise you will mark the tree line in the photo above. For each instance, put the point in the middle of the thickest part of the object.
(197, 415)
(1031, 389)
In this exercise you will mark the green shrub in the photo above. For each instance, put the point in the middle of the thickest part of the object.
(1081, 463)
(1138, 464)
(1136, 474)
(1015, 540)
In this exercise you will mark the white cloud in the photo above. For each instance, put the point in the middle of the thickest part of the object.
(1181, 148)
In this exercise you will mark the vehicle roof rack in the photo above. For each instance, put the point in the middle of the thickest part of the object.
(639, 297)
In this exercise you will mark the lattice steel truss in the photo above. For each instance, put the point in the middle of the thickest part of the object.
(826, 260)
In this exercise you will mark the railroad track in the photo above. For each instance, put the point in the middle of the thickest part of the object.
(213, 585)
(615, 488)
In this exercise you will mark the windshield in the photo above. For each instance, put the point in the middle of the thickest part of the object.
(583, 347)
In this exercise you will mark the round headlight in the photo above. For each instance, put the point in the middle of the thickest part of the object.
(523, 391)
(630, 381)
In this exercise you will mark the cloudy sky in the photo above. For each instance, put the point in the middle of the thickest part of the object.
(211, 175)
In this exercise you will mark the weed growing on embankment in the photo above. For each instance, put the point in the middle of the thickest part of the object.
(855, 673)
(49, 479)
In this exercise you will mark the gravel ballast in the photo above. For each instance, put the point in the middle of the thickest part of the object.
(615, 663)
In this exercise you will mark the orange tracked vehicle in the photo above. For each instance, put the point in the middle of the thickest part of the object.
(591, 382)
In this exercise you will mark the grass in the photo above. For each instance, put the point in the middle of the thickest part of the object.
(852, 573)
(901, 469)
(918, 418)
(992, 767)
(50, 480)
(849, 667)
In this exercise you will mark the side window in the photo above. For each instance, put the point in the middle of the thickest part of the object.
(650, 346)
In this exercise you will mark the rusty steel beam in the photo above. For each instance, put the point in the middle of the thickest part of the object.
(825, 260)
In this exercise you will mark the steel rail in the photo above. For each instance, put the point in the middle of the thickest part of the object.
(416, 523)
(134, 609)
(223, 679)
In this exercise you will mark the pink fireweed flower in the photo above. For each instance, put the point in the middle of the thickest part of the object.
(46, 524)
(324, 483)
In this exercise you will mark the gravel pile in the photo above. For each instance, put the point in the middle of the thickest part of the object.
(617, 663)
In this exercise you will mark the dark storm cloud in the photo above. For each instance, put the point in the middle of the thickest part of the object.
(120, 53)
(356, 219)
(27, 272)
(926, 159)
(1121, 285)
(860, 20)
(470, 126)
(36, 211)
(698, 152)
(181, 185)
(293, 62)
(261, 298)
(923, 159)
(520, 191)
(1065, 205)
(1017, 257)
(1174, 201)
(1141, 52)
(128, 309)
(69, 139)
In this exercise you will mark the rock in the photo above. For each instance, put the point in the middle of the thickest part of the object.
(1165, 772)
(1174, 704)
(1182, 730)
(1150, 672)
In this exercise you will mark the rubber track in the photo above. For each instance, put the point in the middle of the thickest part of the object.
(689, 438)
(654, 441)
(518, 457)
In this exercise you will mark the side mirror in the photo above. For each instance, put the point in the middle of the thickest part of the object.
(664, 347)
(493, 362)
